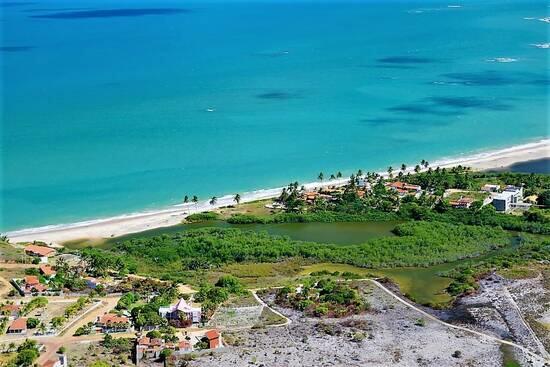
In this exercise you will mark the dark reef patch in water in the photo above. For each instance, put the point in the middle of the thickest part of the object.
(277, 95)
(470, 102)
(15, 48)
(406, 60)
(388, 120)
(421, 109)
(110, 13)
(393, 66)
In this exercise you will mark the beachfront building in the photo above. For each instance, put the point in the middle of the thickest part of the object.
(42, 252)
(403, 188)
(510, 198)
(181, 314)
(111, 323)
(18, 326)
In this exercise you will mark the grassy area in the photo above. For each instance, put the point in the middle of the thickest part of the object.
(252, 208)
(268, 318)
(10, 253)
(508, 359)
(476, 195)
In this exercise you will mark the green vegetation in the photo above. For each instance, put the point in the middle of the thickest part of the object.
(27, 353)
(325, 297)
(211, 297)
(36, 302)
(202, 217)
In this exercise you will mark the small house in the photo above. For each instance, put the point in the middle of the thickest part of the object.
(462, 203)
(43, 252)
(490, 188)
(181, 313)
(18, 326)
(111, 323)
(214, 339)
(47, 271)
(10, 310)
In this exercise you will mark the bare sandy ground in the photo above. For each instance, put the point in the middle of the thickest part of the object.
(137, 222)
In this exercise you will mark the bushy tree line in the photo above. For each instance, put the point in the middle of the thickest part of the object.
(416, 244)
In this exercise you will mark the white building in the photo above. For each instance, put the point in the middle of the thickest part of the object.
(511, 197)
(173, 312)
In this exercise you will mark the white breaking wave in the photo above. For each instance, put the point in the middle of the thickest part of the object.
(503, 59)
(541, 45)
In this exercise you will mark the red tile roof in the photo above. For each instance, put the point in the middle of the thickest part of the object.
(212, 334)
(19, 324)
(10, 308)
(40, 287)
(39, 250)
(47, 270)
(111, 318)
(404, 186)
(144, 341)
(31, 280)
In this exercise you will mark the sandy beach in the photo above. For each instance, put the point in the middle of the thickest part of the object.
(137, 222)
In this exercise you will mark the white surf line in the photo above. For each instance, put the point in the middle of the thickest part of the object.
(433, 318)
(109, 227)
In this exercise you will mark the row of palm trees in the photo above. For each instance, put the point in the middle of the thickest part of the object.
(237, 198)
(213, 200)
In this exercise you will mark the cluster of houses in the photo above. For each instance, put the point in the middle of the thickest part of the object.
(505, 200)
(151, 348)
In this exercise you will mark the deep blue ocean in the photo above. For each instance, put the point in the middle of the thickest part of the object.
(110, 107)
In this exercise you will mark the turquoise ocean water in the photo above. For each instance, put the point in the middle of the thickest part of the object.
(110, 107)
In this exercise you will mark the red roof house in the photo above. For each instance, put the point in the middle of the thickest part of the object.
(214, 339)
(47, 270)
(18, 326)
(41, 251)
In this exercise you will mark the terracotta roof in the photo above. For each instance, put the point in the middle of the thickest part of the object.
(404, 186)
(39, 250)
(31, 280)
(10, 308)
(47, 270)
(212, 334)
(40, 287)
(156, 342)
(144, 341)
(111, 318)
(18, 324)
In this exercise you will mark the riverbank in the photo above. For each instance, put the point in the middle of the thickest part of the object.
(138, 222)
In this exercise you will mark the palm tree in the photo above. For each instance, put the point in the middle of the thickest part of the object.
(42, 328)
(359, 172)
(339, 174)
(321, 176)
(332, 177)
(403, 167)
(237, 199)
(422, 162)
(417, 168)
(214, 200)
(195, 200)
(390, 171)
(426, 164)
(186, 199)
